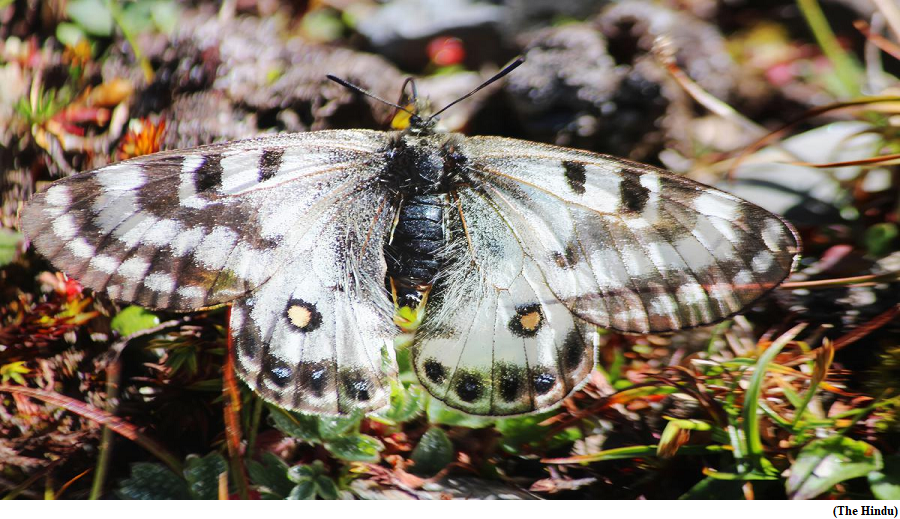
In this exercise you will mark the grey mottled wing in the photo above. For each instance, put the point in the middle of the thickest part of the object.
(317, 336)
(297, 221)
(185, 229)
(627, 246)
(547, 242)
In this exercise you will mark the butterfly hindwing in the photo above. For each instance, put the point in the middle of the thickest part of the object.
(192, 228)
(495, 340)
(317, 336)
(626, 246)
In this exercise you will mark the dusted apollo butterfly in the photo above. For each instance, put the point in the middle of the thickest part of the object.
(501, 254)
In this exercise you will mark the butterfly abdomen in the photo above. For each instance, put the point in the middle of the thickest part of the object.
(418, 236)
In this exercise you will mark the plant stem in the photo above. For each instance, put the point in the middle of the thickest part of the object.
(845, 68)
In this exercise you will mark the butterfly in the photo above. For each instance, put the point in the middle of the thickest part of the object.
(502, 256)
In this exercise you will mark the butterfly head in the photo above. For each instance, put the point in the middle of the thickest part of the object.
(412, 118)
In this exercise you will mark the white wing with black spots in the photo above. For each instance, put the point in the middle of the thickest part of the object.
(186, 229)
(495, 340)
(627, 246)
(317, 336)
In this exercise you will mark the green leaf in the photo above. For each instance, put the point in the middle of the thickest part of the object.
(311, 480)
(524, 430)
(304, 490)
(202, 475)
(297, 425)
(433, 453)
(885, 484)
(92, 16)
(823, 463)
(271, 476)
(165, 16)
(153, 481)
(880, 237)
(751, 400)
(14, 371)
(133, 319)
(438, 413)
(326, 488)
(336, 427)
(322, 25)
(136, 17)
(9, 243)
(69, 34)
(712, 488)
(356, 447)
(406, 404)
(301, 473)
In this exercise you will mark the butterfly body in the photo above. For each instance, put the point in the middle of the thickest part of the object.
(510, 252)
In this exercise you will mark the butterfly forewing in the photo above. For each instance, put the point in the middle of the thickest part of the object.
(186, 229)
(627, 246)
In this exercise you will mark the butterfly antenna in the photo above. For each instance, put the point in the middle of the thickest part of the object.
(412, 86)
(365, 92)
(506, 70)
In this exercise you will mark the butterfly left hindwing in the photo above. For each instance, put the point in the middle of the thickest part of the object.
(312, 337)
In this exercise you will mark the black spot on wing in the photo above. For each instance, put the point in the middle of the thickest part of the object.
(357, 386)
(566, 259)
(208, 176)
(468, 386)
(509, 382)
(269, 163)
(573, 351)
(160, 197)
(634, 196)
(313, 377)
(247, 342)
(435, 371)
(575, 176)
(279, 372)
(542, 382)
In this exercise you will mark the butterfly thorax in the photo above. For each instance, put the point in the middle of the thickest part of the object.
(421, 163)
(422, 169)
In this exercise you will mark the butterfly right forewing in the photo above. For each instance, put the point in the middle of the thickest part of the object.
(191, 228)
(297, 221)
(627, 246)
